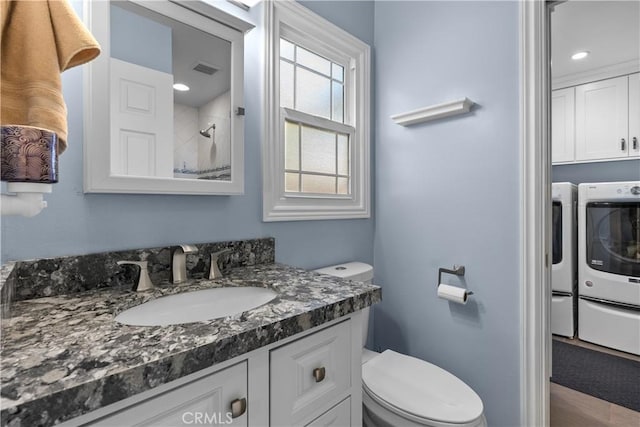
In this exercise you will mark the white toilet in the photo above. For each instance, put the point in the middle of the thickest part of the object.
(400, 390)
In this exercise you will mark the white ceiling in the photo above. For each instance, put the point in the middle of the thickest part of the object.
(610, 30)
(191, 46)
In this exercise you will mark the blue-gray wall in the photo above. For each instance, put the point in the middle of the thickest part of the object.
(140, 40)
(627, 170)
(448, 192)
(78, 223)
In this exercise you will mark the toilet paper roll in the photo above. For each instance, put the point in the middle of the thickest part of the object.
(453, 293)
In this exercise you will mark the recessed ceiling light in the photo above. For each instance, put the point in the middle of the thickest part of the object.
(181, 87)
(580, 55)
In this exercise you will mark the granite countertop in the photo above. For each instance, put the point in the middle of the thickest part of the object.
(64, 356)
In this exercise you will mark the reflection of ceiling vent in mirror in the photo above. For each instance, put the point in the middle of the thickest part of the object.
(205, 68)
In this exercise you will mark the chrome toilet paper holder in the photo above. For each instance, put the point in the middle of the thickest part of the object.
(458, 270)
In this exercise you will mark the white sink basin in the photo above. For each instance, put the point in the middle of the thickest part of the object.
(196, 306)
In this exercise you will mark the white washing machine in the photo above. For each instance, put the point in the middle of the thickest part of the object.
(564, 196)
(609, 264)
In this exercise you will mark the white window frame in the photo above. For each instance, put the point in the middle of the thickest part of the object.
(303, 27)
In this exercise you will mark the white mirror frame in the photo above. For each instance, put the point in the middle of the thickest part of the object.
(97, 139)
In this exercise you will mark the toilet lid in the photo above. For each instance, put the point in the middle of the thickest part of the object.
(421, 389)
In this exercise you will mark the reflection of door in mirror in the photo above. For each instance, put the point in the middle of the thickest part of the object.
(162, 131)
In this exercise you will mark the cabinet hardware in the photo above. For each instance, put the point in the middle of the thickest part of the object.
(635, 142)
(318, 374)
(238, 407)
(623, 144)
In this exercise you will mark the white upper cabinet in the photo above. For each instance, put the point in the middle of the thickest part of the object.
(598, 121)
(602, 119)
(634, 114)
(563, 125)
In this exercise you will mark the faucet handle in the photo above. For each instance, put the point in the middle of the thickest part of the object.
(143, 281)
(214, 271)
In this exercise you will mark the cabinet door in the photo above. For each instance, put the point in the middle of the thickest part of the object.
(563, 121)
(206, 401)
(141, 120)
(634, 114)
(602, 119)
(309, 375)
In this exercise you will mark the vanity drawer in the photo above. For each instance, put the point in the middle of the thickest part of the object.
(205, 401)
(338, 416)
(310, 375)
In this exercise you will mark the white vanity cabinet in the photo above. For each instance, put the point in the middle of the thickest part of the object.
(309, 379)
(563, 124)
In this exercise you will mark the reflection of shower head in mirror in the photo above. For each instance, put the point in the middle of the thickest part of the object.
(206, 133)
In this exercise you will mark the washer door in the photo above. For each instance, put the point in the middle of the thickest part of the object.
(557, 231)
(613, 237)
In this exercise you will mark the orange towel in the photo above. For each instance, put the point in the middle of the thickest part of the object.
(39, 40)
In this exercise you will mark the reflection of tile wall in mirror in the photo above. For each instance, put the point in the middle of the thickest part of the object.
(214, 154)
(185, 154)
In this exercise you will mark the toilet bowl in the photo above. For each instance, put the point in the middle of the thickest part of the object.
(400, 390)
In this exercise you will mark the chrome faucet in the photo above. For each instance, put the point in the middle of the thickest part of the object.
(143, 281)
(179, 262)
(214, 271)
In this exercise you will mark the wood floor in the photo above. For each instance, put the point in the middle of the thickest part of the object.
(571, 408)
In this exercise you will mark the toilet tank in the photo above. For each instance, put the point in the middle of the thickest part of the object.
(353, 271)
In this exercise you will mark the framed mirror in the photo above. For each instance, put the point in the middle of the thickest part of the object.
(164, 100)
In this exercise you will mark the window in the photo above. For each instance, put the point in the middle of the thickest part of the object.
(316, 146)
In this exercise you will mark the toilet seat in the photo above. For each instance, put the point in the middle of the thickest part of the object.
(420, 391)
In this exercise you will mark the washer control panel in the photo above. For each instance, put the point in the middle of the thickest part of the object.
(609, 190)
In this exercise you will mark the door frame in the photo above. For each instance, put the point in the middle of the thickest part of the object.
(535, 214)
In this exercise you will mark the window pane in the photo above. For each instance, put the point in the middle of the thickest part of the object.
(291, 182)
(343, 185)
(337, 72)
(286, 84)
(286, 49)
(313, 93)
(343, 154)
(318, 184)
(292, 147)
(313, 61)
(338, 102)
(318, 150)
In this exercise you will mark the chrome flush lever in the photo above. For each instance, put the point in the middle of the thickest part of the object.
(214, 271)
(143, 281)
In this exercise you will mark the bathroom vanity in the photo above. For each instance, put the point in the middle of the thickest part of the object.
(293, 361)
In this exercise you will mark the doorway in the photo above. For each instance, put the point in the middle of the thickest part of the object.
(593, 45)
